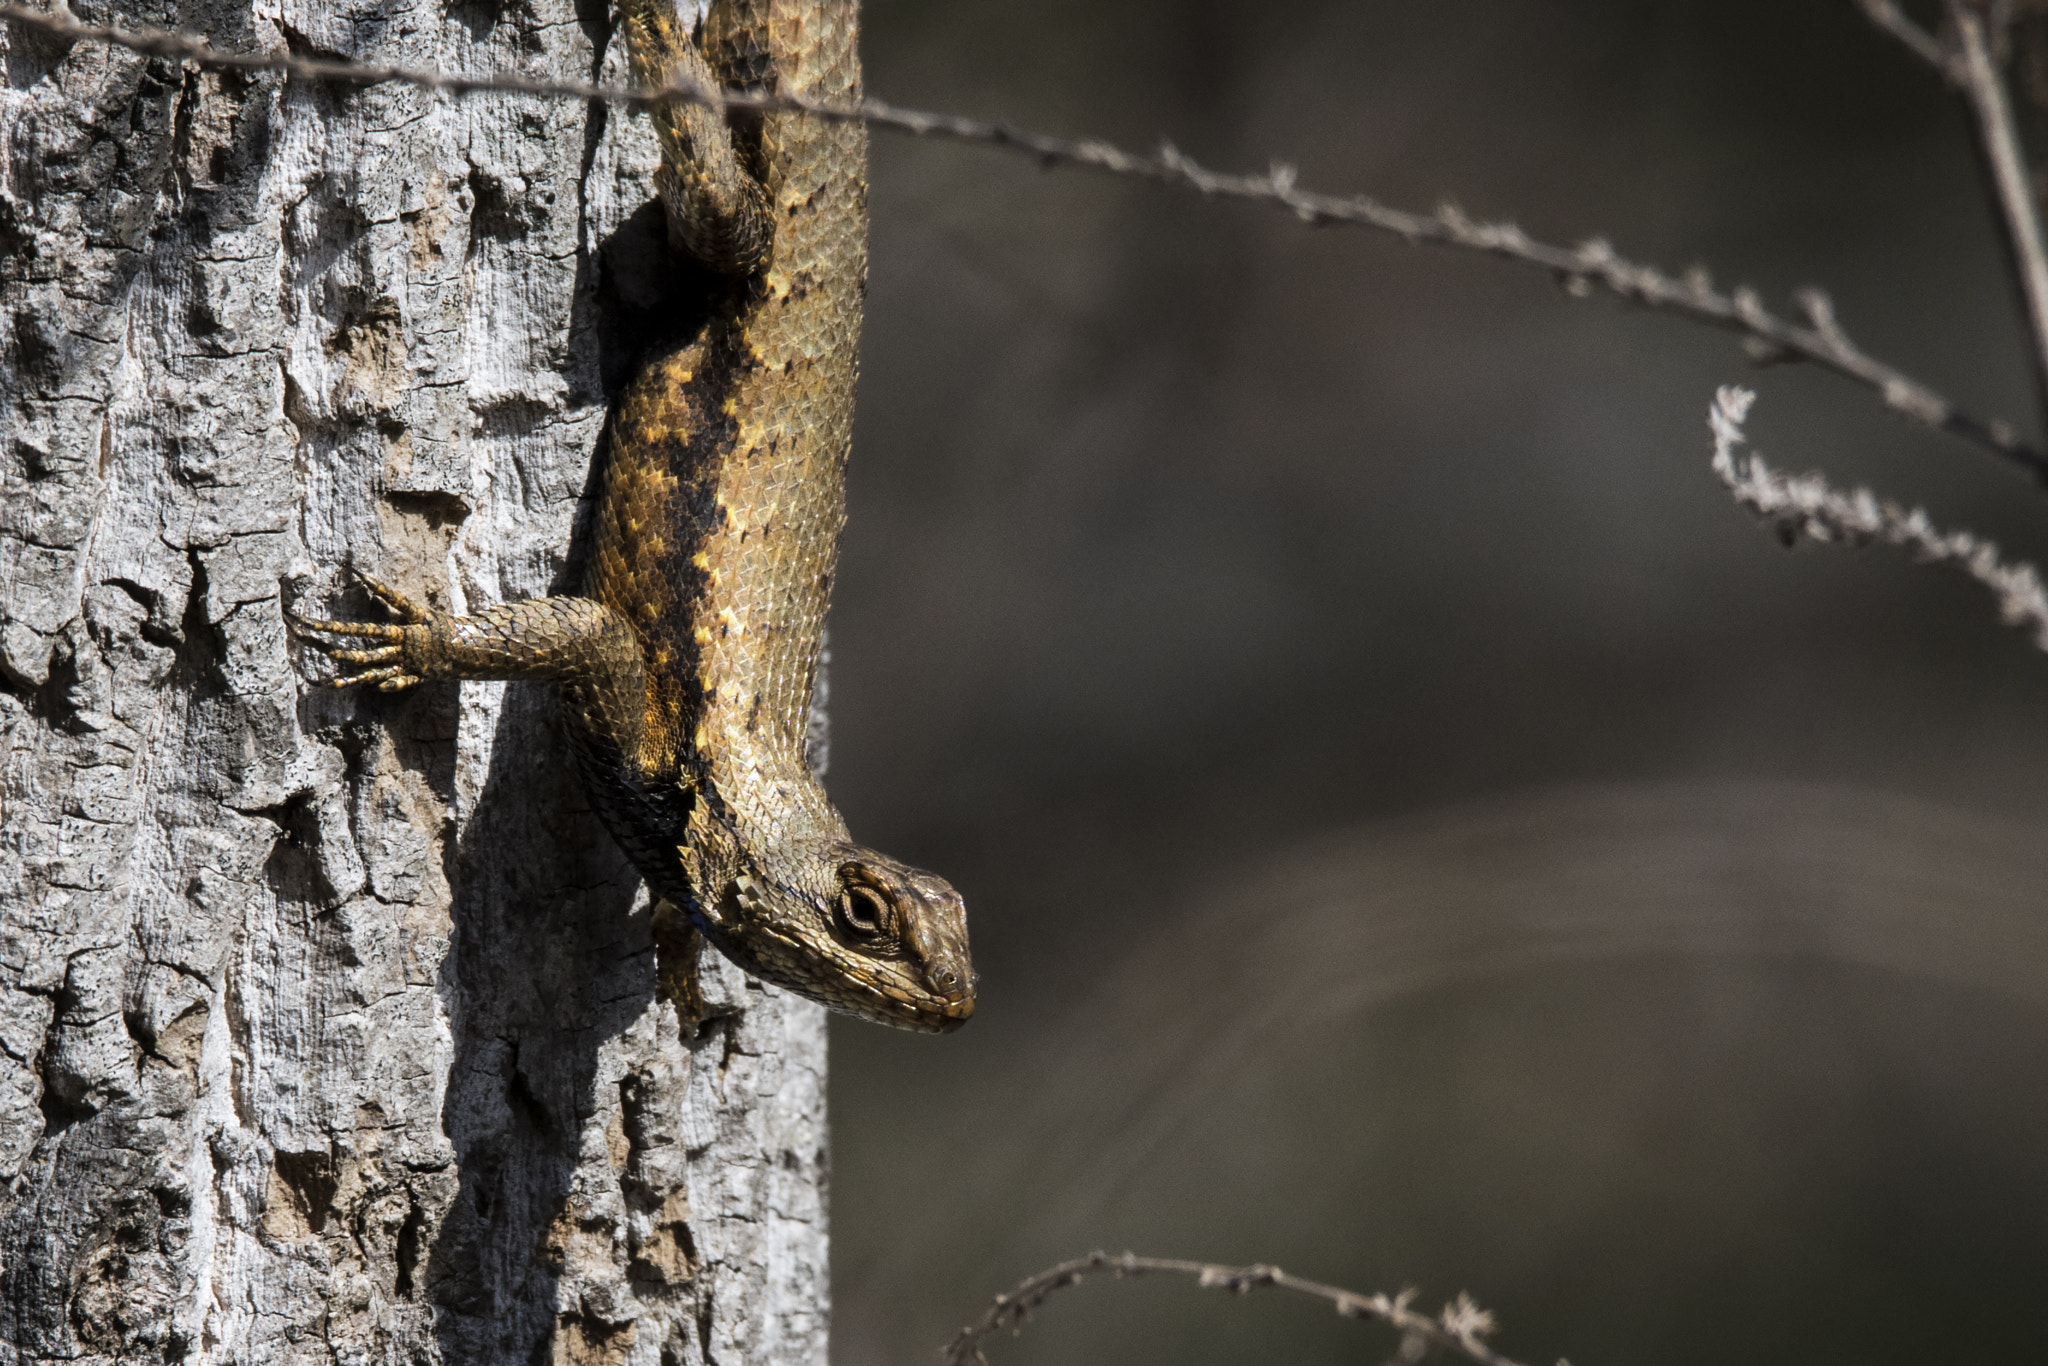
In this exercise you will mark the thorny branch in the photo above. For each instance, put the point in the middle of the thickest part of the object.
(1461, 1327)
(1807, 505)
(1591, 265)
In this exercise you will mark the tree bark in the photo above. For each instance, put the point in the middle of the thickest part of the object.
(329, 1027)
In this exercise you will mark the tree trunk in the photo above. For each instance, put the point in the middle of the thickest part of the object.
(329, 1026)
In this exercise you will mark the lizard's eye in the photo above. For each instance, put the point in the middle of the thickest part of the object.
(865, 914)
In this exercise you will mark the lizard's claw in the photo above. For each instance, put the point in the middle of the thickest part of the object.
(403, 607)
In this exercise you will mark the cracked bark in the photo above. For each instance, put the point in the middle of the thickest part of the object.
(328, 1024)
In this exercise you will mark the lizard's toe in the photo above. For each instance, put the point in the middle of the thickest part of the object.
(405, 608)
(383, 654)
(374, 630)
(391, 678)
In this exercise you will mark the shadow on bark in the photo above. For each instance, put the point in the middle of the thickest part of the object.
(550, 961)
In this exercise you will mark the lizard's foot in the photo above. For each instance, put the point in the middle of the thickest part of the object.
(390, 673)
(676, 945)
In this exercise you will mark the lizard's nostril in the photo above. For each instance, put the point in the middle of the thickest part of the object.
(946, 982)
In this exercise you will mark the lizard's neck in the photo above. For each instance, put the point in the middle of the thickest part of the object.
(771, 799)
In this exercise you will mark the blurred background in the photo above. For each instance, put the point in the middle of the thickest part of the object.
(1417, 830)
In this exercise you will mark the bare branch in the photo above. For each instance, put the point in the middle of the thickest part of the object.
(156, 42)
(1808, 506)
(1582, 269)
(1922, 44)
(1461, 1328)
(1999, 138)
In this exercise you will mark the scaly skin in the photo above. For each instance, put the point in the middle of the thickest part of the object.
(687, 663)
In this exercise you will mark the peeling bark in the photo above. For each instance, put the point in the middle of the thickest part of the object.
(328, 1023)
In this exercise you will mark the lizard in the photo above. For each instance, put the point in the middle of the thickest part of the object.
(687, 661)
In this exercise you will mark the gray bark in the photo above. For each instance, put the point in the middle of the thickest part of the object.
(328, 1023)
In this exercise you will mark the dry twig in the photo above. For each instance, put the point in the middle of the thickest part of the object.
(1461, 1327)
(1583, 269)
(1806, 505)
(1976, 73)
(1922, 44)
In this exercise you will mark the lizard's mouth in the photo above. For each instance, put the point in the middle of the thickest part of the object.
(897, 1003)
(928, 999)
(929, 1016)
(940, 1022)
(946, 1000)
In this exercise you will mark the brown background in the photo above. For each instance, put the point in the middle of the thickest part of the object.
(1417, 830)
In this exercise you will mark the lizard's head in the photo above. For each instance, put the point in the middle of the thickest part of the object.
(861, 933)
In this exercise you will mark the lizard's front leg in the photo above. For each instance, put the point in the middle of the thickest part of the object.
(566, 639)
